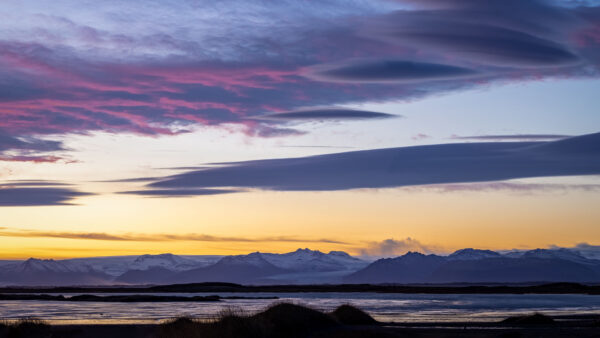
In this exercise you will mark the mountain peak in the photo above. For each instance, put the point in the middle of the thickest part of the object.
(472, 254)
(33, 259)
(305, 250)
(560, 253)
(414, 254)
(339, 254)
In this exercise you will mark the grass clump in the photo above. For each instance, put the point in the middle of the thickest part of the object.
(26, 328)
(282, 320)
(350, 315)
(534, 319)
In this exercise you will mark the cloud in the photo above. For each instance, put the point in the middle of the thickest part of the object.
(517, 187)
(323, 114)
(486, 32)
(179, 192)
(262, 130)
(420, 136)
(588, 250)
(486, 44)
(31, 183)
(173, 66)
(515, 137)
(27, 149)
(38, 196)
(392, 248)
(37, 193)
(388, 71)
(132, 237)
(406, 166)
(33, 159)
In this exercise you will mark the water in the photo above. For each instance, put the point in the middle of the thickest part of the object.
(384, 307)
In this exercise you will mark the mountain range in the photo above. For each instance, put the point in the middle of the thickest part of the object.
(305, 266)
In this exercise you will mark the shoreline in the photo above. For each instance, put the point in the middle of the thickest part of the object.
(542, 288)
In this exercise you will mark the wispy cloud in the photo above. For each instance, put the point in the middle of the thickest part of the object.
(27, 149)
(514, 137)
(162, 237)
(517, 187)
(391, 248)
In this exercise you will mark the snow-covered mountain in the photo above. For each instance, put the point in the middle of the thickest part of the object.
(255, 259)
(32, 265)
(472, 254)
(482, 266)
(559, 253)
(51, 272)
(311, 260)
(166, 261)
(249, 269)
(308, 266)
(118, 265)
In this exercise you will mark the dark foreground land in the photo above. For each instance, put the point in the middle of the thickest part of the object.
(294, 321)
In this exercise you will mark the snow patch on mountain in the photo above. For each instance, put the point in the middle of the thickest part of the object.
(33, 265)
(472, 254)
(167, 261)
(314, 260)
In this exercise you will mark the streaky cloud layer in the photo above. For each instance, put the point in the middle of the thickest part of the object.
(161, 237)
(179, 192)
(406, 166)
(514, 137)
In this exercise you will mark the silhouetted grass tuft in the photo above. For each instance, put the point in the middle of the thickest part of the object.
(534, 319)
(280, 320)
(26, 328)
(350, 315)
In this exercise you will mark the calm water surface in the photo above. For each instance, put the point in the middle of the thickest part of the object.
(384, 307)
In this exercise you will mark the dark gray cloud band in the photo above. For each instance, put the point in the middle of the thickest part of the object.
(37, 193)
(325, 114)
(407, 166)
(389, 71)
(38, 196)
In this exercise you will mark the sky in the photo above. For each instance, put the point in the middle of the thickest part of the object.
(373, 127)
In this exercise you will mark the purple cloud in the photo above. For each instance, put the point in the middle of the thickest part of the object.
(98, 68)
(27, 149)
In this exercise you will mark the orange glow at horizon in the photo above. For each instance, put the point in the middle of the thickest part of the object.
(481, 219)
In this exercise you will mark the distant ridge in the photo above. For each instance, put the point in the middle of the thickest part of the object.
(305, 266)
(482, 266)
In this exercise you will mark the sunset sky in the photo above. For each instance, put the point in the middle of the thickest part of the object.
(192, 127)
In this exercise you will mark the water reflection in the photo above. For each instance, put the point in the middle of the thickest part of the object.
(384, 307)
